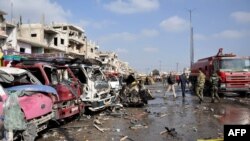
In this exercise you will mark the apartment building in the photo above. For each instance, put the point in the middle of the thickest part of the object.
(36, 38)
(56, 38)
(92, 50)
(7, 33)
(72, 36)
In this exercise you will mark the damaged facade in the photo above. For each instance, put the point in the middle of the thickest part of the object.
(56, 38)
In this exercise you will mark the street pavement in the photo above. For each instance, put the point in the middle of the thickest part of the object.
(185, 119)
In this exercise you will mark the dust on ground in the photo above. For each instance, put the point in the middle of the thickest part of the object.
(164, 118)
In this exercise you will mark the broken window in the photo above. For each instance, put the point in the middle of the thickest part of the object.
(22, 50)
(64, 75)
(55, 41)
(36, 72)
(52, 75)
(33, 35)
(80, 75)
(22, 79)
(62, 41)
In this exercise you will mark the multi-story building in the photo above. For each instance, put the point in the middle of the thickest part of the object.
(91, 51)
(73, 36)
(111, 63)
(64, 38)
(36, 38)
(7, 33)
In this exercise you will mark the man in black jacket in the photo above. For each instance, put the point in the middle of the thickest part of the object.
(183, 80)
(171, 83)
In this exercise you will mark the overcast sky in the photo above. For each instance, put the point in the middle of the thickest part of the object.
(149, 34)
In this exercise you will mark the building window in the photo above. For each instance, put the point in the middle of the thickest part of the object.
(33, 35)
(65, 28)
(22, 50)
(92, 50)
(55, 41)
(62, 41)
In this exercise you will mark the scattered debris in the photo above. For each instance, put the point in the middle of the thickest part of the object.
(45, 136)
(97, 121)
(118, 130)
(100, 129)
(138, 126)
(195, 129)
(147, 111)
(88, 116)
(158, 91)
(171, 132)
(163, 115)
(123, 138)
(217, 116)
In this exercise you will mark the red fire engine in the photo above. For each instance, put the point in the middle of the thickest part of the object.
(234, 72)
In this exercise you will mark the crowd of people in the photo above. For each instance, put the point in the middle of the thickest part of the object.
(172, 80)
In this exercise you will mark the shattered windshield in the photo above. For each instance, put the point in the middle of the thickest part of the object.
(101, 84)
(235, 64)
(95, 74)
(22, 79)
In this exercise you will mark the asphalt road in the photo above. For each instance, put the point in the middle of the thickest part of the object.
(186, 119)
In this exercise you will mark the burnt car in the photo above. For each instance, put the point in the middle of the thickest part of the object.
(26, 106)
(134, 93)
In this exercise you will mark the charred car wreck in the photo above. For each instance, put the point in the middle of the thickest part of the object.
(134, 93)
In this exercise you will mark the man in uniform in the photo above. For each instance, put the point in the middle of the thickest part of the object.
(214, 80)
(200, 85)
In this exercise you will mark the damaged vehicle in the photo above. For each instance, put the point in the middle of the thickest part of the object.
(97, 91)
(114, 83)
(26, 106)
(134, 93)
(51, 73)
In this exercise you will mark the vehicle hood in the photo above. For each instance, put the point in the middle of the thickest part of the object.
(34, 88)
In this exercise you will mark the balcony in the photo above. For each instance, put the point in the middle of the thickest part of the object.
(76, 40)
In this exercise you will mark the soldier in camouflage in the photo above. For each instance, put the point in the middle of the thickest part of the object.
(214, 80)
(200, 85)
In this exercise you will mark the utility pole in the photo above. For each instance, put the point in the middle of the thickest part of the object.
(11, 12)
(177, 67)
(191, 39)
(160, 67)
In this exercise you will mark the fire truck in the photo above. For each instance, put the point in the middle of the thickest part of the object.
(234, 72)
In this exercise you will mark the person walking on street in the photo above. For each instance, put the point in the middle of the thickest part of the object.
(183, 80)
(214, 80)
(171, 82)
(200, 85)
